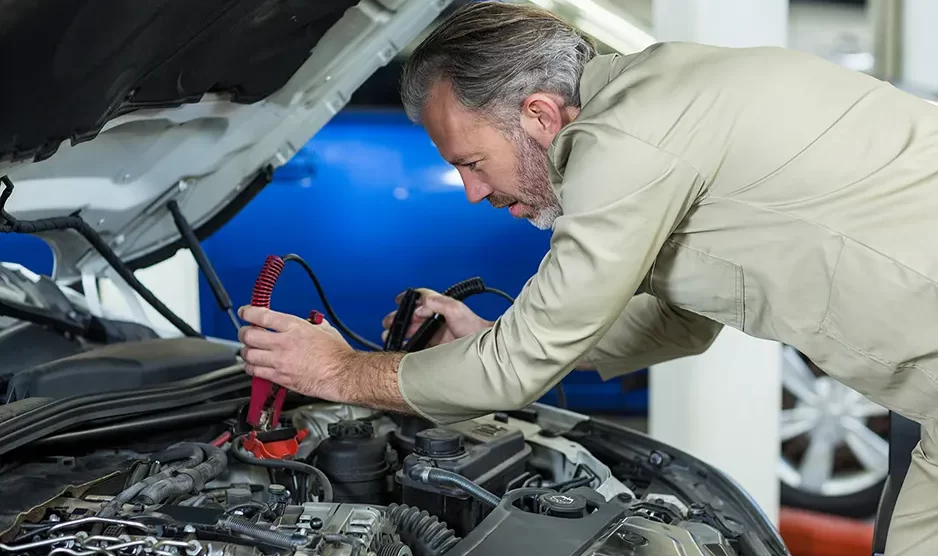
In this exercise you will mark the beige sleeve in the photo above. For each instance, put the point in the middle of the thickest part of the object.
(622, 198)
(648, 332)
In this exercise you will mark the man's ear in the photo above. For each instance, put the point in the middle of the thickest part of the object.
(542, 117)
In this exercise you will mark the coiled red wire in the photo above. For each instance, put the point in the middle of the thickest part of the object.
(264, 285)
(263, 392)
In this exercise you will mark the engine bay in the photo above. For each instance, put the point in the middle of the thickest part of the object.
(365, 483)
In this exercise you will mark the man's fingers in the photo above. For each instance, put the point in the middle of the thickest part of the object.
(258, 337)
(412, 329)
(266, 373)
(388, 320)
(259, 357)
(265, 318)
(436, 304)
(424, 292)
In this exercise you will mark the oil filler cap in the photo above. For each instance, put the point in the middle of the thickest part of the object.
(351, 429)
(438, 443)
(561, 504)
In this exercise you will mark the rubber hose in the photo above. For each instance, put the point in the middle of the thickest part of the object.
(189, 479)
(174, 454)
(444, 478)
(319, 476)
(244, 527)
(113, 506)
(425, 534)
(139, 473)
(188, 451)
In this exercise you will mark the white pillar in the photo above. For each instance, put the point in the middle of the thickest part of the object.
(722, 22)
(920, 45)
(723, 406)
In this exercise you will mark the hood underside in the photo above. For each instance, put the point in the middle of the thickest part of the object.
(118, 108)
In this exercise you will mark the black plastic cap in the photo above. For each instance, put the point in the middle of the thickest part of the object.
(351, 429)
(562, 504)
(438, 443)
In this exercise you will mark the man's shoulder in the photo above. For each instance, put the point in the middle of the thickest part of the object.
(657, 84)
(690, 98)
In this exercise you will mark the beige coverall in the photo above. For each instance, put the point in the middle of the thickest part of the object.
(762, 189)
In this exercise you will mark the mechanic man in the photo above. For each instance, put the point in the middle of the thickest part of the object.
(758, 188)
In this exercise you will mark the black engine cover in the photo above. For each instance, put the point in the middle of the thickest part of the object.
(121, 367)
(512, 529)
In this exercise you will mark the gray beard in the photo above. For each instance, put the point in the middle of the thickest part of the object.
(536, 190)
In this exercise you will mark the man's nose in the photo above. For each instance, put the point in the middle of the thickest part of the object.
(476, 189)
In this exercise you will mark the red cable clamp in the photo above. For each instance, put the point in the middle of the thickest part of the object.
(277, 444)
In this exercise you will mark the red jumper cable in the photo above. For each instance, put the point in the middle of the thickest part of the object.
(267, 397)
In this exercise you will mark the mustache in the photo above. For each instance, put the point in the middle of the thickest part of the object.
(500, 202)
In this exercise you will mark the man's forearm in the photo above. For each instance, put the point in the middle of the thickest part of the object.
(370, 380)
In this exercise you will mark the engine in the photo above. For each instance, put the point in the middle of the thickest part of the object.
(369, 485)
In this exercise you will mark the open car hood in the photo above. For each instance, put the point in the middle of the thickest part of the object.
(119, 107)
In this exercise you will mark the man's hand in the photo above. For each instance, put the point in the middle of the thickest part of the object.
(289, 351)
(315, 360)
(460, 320)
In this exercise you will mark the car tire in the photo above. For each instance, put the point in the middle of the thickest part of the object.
(834, 449)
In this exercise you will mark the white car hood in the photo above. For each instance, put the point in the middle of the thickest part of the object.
(193, 102)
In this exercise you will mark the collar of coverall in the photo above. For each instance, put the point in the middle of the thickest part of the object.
(602, 69)
(597, 73)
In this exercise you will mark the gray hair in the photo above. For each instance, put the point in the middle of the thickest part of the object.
(494, 55)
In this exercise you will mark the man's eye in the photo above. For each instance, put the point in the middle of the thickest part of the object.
(472, 165)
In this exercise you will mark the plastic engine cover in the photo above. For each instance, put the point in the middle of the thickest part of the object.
(124, 366)
(581, 523)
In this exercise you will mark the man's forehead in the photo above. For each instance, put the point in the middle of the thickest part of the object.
(453, 129)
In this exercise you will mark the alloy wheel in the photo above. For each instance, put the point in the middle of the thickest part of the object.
(833, 438)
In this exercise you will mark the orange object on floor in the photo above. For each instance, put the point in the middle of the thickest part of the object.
(816, 534)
